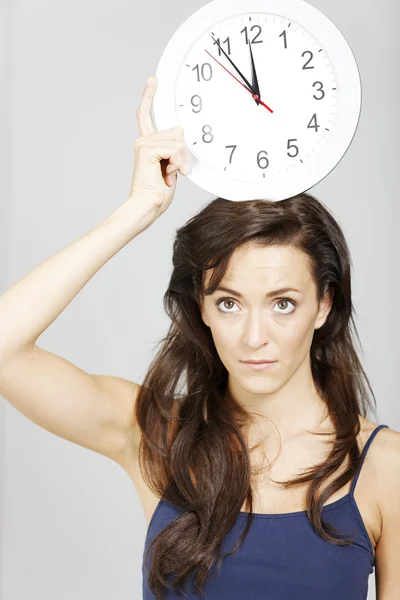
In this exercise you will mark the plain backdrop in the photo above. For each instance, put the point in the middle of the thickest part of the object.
(73, 73)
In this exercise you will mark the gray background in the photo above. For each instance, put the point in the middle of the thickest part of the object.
(72, 525)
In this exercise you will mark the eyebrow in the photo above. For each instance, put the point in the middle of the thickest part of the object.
(272, 293)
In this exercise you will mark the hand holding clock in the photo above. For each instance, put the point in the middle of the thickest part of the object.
(158, 158)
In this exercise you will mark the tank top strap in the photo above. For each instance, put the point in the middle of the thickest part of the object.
(363, 455)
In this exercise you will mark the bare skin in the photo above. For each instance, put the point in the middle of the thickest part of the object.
(271, 498)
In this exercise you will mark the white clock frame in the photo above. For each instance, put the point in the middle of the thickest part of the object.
(346, 118)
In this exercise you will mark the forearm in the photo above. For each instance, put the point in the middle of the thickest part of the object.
(35, 301)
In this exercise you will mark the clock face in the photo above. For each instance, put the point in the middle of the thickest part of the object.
(225, 127)
(267, 92)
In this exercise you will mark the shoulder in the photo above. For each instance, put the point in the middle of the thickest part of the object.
(385, 439)
(386, 444)
(385, 461)
(387, 456)
(384, 453)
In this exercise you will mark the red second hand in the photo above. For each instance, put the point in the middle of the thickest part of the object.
(255, 96)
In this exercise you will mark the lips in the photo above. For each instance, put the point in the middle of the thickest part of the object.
(257, 362)
(260, 366)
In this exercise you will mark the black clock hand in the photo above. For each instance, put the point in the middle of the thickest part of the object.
(250, 87)
(254, 80)
(255, 96)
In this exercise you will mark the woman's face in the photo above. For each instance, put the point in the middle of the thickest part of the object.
(257, 323)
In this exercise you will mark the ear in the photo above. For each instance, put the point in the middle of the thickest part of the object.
(324, 308)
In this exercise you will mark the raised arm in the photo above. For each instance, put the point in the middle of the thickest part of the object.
(94, 411)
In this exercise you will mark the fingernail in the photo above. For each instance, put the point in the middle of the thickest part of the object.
(150, 80)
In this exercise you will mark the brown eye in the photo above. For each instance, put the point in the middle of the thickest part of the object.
(285, 302)
(222, 301)
(280, 301)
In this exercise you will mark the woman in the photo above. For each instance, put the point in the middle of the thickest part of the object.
(206, 434)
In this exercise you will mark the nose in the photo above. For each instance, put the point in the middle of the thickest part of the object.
(255, 332)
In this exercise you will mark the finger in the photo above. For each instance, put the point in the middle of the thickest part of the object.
(174, 133)
(156, 153)
(176, 161)
(171, 180)
(143, 113)
(175, 152)
(171, 168)
(176, 164)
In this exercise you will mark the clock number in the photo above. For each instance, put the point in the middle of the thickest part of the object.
(292, 146)
(253, 41)
(200, 104)
(260, 158)
(320, 90)
(234, 148)
(205, 133)
(310, 59)
(227, 41)
(203, 71)
(315, 126)
(284, 38)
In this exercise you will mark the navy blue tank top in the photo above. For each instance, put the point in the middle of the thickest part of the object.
(282, 557)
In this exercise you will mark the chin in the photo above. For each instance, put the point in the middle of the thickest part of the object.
(261, 385)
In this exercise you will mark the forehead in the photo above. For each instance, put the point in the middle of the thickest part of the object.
(274, 266)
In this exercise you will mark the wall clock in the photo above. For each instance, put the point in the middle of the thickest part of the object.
(267, 92)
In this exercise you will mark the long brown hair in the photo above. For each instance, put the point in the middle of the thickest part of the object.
(193, 451)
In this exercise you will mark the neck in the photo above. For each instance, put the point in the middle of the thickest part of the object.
(292, 408)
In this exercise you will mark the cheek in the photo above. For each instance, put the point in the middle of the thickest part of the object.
(225, 339)
(297, 340)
